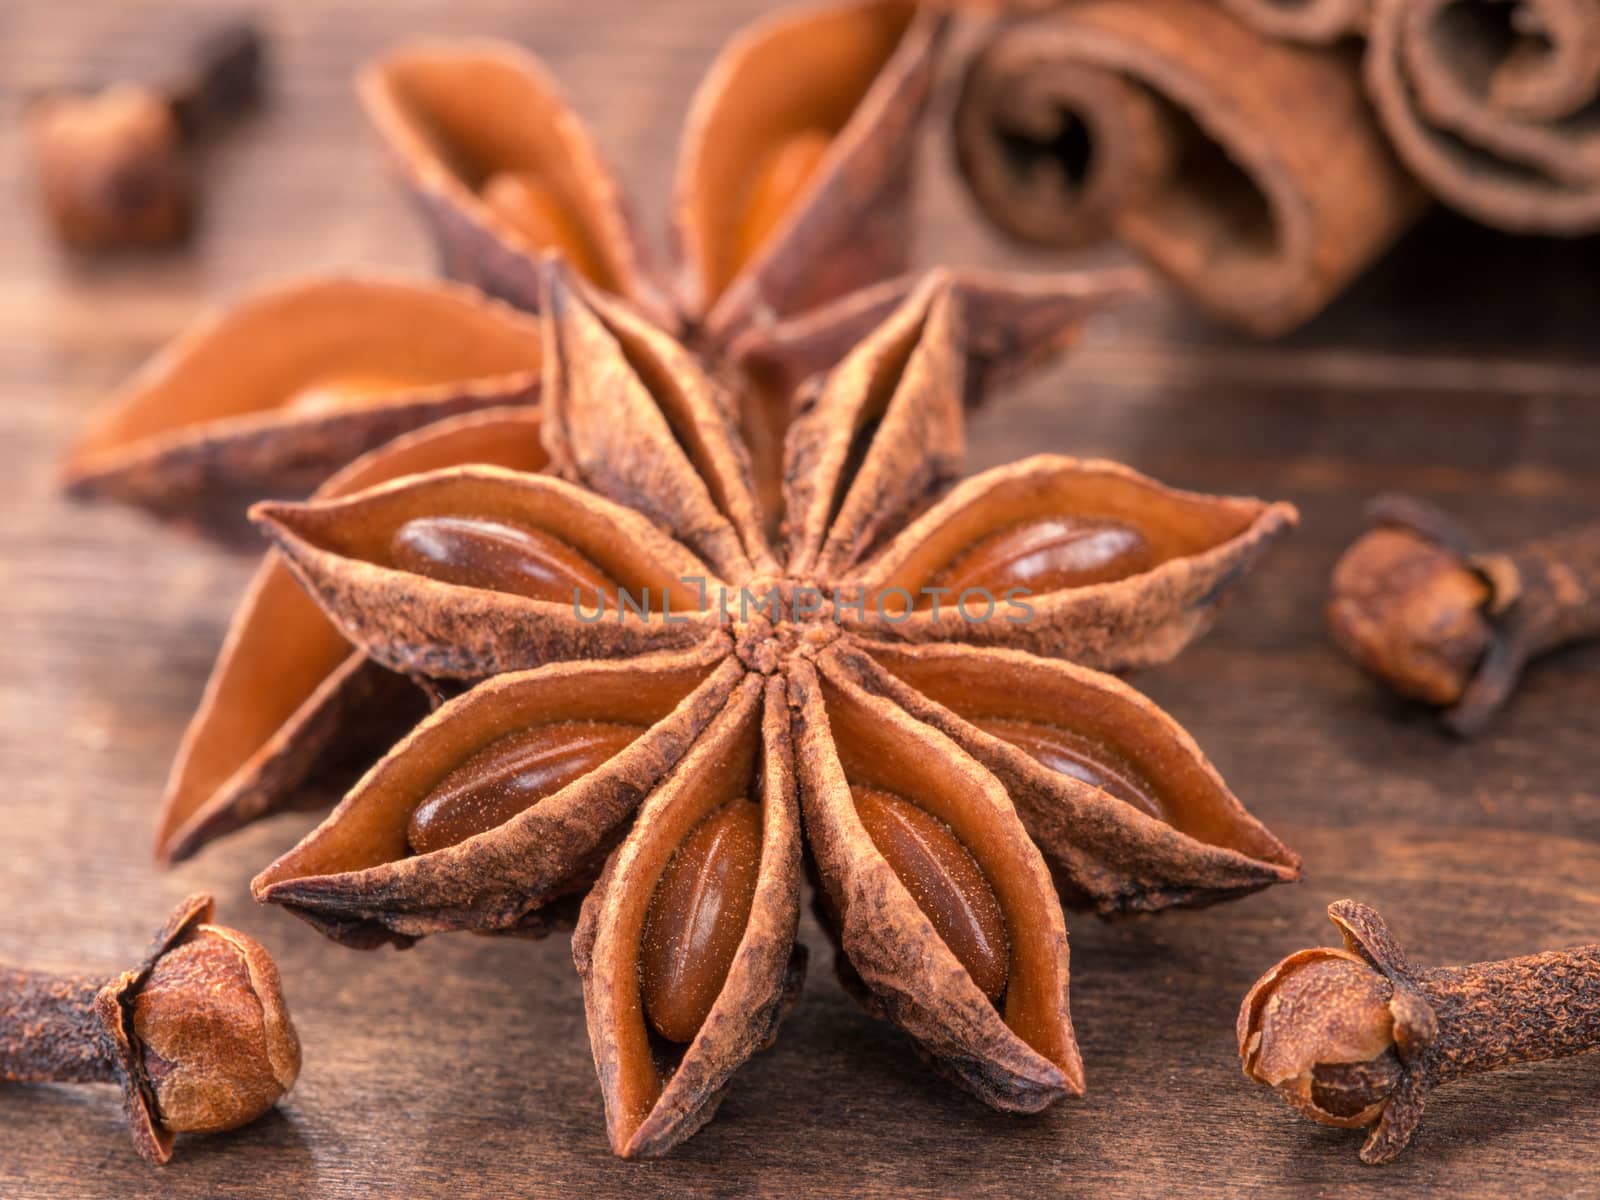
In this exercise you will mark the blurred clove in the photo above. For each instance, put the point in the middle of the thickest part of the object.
(1417, 603)
(116, 163)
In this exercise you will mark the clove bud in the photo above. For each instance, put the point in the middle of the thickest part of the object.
(1416, 602)
(115, 164)
(197, 1034)
(1357, 1037)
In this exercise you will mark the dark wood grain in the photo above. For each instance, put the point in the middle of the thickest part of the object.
(1467, 368)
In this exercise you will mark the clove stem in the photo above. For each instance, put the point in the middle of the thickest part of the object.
(49, 1029)
(1518, 1010)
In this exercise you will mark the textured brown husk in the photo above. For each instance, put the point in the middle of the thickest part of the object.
(287, 700)
(351, 877)
(1105, 853)
(1014, 323)
(913, 978)
(864, 65)
(635, 419)
(1310, 194)
(411, 623)
(1206, 542)
(896, 389)
(428, 98)
(1492, 130)
(848, 229)
(648, 1115)
(204, 425)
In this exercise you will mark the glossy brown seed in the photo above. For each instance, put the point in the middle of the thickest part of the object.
(511, 775)
(1047, 555)
(777, 183)
(945, 881)
(1071, 754)
(480, 553)
(524, 200)
(697, 918)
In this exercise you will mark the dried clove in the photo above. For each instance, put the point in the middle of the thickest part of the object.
(1358, 1037)
(197, 1034)
(115, 164)
(1418, 603)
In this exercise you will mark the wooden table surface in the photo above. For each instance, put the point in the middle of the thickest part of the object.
(1465, 368)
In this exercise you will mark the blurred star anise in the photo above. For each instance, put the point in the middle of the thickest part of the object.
(676, 710)
(793, 190)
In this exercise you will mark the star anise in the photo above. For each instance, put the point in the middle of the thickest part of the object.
(901, 692)
(794, 186)
(793, 190)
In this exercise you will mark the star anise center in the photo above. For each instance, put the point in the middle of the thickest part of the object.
(775, 619)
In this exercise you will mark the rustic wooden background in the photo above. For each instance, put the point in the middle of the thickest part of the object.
(1467, 368)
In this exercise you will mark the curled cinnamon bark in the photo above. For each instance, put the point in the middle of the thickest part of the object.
(1259, 192)
(1418, 604)
(1491, 105)
(1315, 21)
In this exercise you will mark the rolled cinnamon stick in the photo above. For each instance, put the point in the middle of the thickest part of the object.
(1495, 106)
(1318, 22)
(1249, 171)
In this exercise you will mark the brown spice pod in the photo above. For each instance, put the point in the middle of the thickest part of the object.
(355, 878)
(340, 551)
(1259, 192)
(1412, 612)
(288, 701)
(1197, 545)
(455, 114)
(940, 884)
(858, 72)
(213, 418)
(880, 437)
(853, 76)
(650, 1107)
(641, 423)
(1338, 1017)
(1494, 113)
(1018, 1057)
(1148, 825)
(1014, 321)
